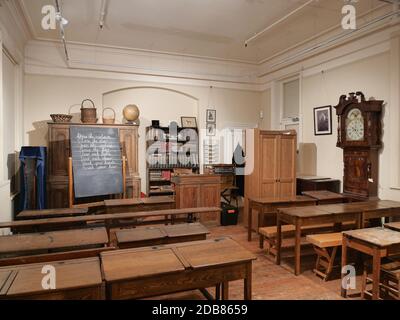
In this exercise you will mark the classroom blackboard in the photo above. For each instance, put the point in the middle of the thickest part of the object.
(96, 161)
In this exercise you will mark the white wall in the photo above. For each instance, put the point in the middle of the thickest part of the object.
(56, 94)
(372, 77)
(12, 39)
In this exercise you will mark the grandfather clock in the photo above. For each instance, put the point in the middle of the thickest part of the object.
(359, 135)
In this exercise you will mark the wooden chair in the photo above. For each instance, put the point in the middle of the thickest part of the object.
(326, 246)
(390, 280)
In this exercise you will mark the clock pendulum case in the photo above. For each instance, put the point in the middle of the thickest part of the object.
(359, 135)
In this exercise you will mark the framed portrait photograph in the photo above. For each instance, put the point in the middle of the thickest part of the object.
(211, 129)
(211, 116)
(189, 122)
(323, 120)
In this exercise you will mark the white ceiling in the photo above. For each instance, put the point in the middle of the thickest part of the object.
(208, 28)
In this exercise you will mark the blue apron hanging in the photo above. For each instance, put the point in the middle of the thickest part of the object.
(38, 154)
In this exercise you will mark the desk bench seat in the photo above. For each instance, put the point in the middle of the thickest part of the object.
(325, 245)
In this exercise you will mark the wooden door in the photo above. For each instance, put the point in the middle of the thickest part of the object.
(269, 166)
(287, 166)
(59, 150)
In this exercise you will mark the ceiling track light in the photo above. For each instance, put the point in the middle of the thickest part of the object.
(103, 13)
(62, 22)
(259, 34)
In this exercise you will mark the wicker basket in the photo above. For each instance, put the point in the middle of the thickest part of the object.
(107, 120)
(61, 118)
(88, 115)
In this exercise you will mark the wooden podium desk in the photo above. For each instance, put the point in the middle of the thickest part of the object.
(198, 190)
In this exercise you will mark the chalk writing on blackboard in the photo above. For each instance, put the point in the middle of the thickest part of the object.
(96, 160)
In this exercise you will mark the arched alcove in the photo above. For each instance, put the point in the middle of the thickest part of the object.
(155, 103)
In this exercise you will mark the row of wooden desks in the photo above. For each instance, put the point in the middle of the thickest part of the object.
(359, 212)
(109, 206)
(136, 273)
(110, 220)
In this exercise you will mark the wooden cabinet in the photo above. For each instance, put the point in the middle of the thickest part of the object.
(198, 190)
(272, 154)
(59, 151)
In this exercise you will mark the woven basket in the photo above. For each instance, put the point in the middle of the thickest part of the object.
(61, 118)
(107, 120)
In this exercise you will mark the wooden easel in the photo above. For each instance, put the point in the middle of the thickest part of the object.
(71, 195)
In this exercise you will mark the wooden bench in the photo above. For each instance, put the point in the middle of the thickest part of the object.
(325, 245)
(150, 236)
(269, 234)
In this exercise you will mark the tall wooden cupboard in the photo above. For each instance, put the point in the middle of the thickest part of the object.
(59, 150)
(272, 154)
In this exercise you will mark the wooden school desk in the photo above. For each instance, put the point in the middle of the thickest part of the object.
(146, 272)
(51, 213)
(57, 240)
(376, 242)
(311, 216)
(269, 206)
(157, 235)
(326, 197)
(75, 279)
(393, 225)
(139, 204)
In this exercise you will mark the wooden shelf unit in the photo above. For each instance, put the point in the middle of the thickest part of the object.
(166, 161)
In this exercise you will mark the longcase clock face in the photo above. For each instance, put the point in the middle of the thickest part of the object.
(355, 125)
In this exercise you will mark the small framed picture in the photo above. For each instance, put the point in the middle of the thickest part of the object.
(211, 129)
(323, 120)
(211, 116)
(189, 122)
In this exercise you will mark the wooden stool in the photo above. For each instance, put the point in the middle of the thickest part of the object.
(325, 245)
(390, 279)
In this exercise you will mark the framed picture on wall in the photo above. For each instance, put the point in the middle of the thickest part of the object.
(211, 129)
(323, 120)
(211, 116)
(189, 122)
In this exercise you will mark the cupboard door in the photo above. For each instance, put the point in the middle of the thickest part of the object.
(129, 142)
(269, 165)
(287, 166)
(59, 150)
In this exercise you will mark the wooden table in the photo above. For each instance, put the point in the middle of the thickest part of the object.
(75, 279)
(267, 205)
(309, 216)
(145, 272)
(376, 242)
(393, 225)
(150, 236)
(22, 248)
(51, 213)
(325, 196)
(139, 204)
